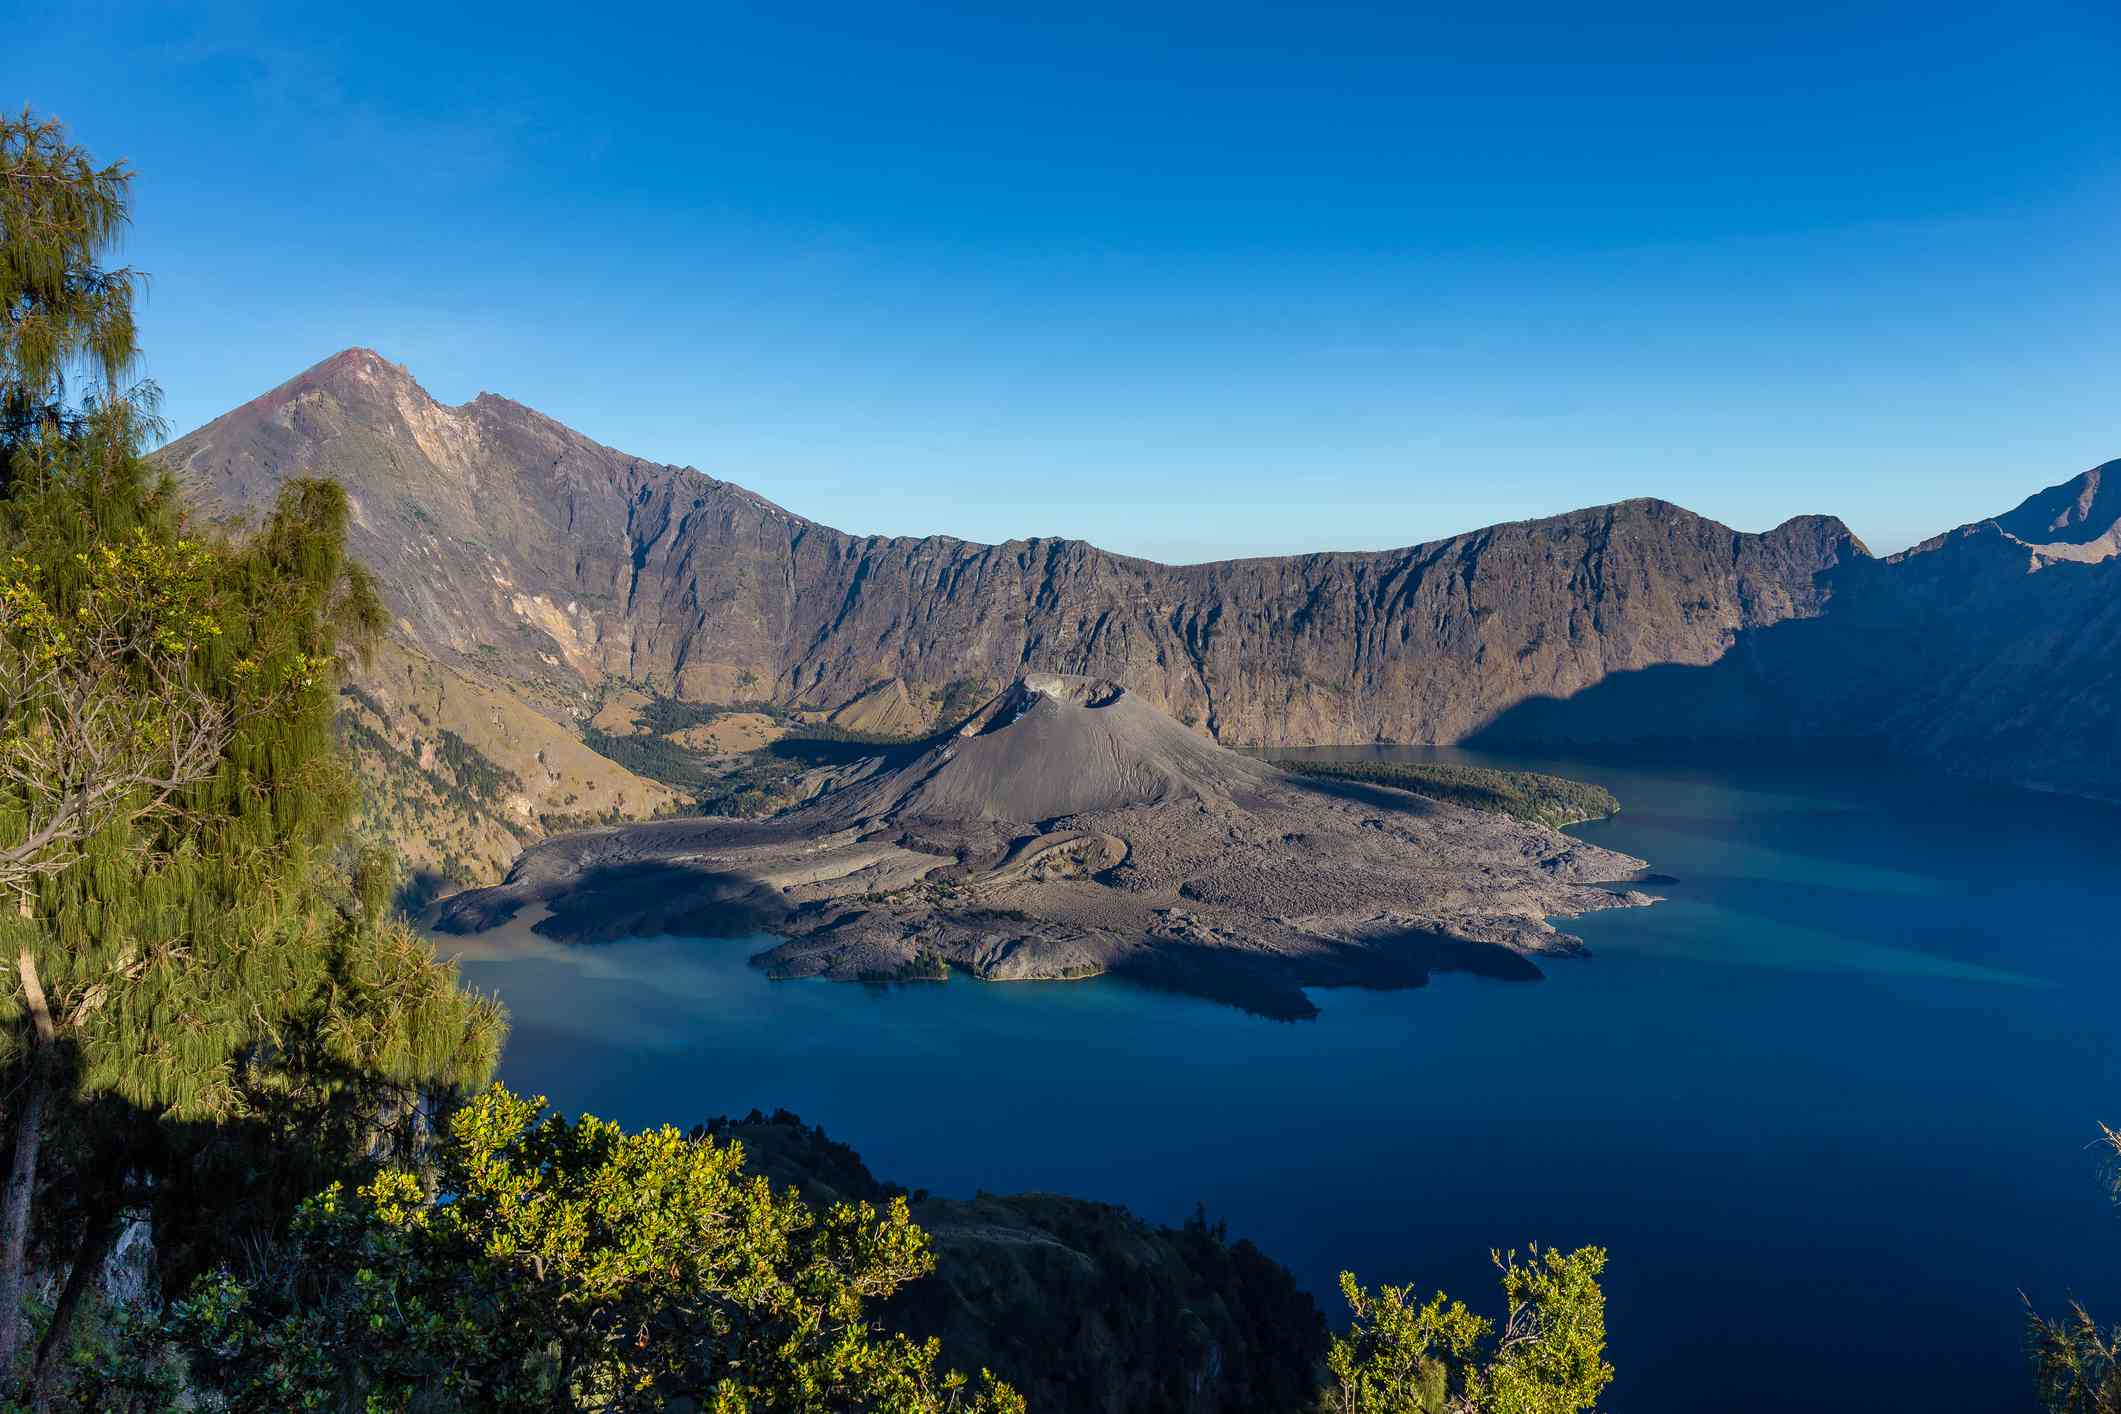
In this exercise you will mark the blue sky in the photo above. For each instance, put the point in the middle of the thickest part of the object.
(1187, 281)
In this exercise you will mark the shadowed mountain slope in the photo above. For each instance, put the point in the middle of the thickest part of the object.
(1993, 650)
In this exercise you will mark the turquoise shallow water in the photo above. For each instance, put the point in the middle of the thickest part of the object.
(1829, 1105)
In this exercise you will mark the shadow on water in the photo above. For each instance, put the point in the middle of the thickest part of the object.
(1273, 987)
(638, 898)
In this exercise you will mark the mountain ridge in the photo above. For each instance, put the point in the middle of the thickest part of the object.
(706, 591)
(526, 557)
(2083, 513)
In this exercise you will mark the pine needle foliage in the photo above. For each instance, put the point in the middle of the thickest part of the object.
(2077, 1361)
(207, 1017)
(177, 944)
(62, 314)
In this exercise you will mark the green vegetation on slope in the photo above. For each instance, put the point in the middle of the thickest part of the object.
(756, 782)
(657, 758)
(573, 1266)
(662, 715)
(1081, 1306)
(758, 1266)
(1528, 795)
(1402, 1355)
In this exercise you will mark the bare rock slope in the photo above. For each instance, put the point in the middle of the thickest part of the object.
(1070, 829)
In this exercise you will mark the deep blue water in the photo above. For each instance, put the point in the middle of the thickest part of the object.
(1829, 1106)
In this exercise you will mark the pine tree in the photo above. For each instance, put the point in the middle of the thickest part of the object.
(61, 312)
(193, 969)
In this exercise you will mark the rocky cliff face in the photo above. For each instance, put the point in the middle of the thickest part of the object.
(508, 543)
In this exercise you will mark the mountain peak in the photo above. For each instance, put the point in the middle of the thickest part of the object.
(355, 375)
(2079, 519)
(358, 365)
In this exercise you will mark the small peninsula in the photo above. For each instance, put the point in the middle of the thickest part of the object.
(1066, 830)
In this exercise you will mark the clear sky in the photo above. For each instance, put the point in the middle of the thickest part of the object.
(1186, 280)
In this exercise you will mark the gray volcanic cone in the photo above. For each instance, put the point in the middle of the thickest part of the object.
(1055, 745)
(1069, 829)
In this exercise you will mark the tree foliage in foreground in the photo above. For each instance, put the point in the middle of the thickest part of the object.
(1403, 1355)
(202, 1017)
(2077, 1361)
(187, 953)
(62, 312)
(571, 1265)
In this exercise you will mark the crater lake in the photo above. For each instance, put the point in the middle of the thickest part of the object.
(1830, 1105)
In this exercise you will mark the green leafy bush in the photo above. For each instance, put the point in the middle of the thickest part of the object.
(555, 1264)
(1402, 1355)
